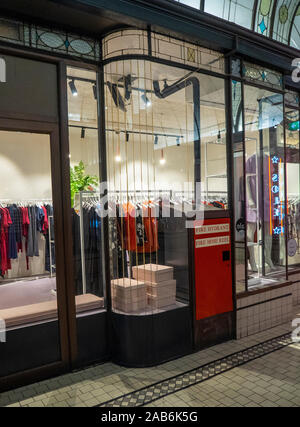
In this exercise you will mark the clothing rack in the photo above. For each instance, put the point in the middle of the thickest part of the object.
(16, 201)
(32, 201)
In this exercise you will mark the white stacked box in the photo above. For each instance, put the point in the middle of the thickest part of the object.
(161, 287)
(129, 295)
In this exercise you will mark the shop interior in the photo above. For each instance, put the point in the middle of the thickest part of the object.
(28, 282)
(265, 170)
(154, 125)
(160, 140)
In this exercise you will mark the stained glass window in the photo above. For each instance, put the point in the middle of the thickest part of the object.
(263, 17)
(47, 39)
(261, 75)
(285, 11)
(238, 11)
(295, 30)
(279, 19)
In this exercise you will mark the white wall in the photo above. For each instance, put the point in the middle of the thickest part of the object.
(140, 167)
(25, 170)
(85, 149)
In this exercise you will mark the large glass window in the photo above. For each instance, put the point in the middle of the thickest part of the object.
(238, 171)
(239, 11)
(264, 186)
(28, 272)
(156, 116)
(293, 178)
(85, 193)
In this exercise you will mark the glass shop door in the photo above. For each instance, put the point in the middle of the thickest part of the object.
(32, 323)
(264, 187)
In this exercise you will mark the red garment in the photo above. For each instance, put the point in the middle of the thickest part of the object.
(25, 221)
(46, 222)
(150, 226)
(25, 226)
(5, 223)
(129, 227)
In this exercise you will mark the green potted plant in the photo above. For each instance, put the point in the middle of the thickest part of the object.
(80, 181)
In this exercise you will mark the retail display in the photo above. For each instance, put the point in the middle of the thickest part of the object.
(87, 246)
(161, 288)
(153, 273)
(22, 224)
(129, 295)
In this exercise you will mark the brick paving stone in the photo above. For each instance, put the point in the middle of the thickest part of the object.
(272, 380)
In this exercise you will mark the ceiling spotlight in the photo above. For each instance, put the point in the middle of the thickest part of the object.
(116, 96)
(178, 141)
(146, 100)
(156, 140)
(95, 91)
(82, 136)
(73, 87)
(127, 136)
(118, 158)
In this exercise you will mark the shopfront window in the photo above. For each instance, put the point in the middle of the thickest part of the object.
(85, 196)
(165, 134)
(238, 171)
(263, 194)
(293, 178)
(28, 271)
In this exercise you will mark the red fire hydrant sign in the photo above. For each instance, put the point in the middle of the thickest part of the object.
(213, 275)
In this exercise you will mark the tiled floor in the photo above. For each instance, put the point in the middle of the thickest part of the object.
(272, 380)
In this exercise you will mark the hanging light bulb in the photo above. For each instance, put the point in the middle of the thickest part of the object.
(219, 135)
(82, 133)
(162, 159)
(178, 141)
(118, 156)
(156, 140)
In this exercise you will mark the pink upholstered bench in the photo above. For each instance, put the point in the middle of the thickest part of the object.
(17, 316)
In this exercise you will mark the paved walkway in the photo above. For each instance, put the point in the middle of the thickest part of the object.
(270, 380)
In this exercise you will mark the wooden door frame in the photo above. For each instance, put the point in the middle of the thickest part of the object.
(57, 128)
(64, 293)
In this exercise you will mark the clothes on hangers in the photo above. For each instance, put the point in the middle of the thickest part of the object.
(92, 228)
(49, 225)
(18, 223)
(140, 228)
(5, 223)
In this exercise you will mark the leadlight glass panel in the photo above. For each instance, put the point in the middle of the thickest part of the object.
(126, 42)
(238, 11)
(285, 11)
(295, 33)
(263, 17)
(179, 51)
(265, 76)
(51, 40)
(292, 99)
